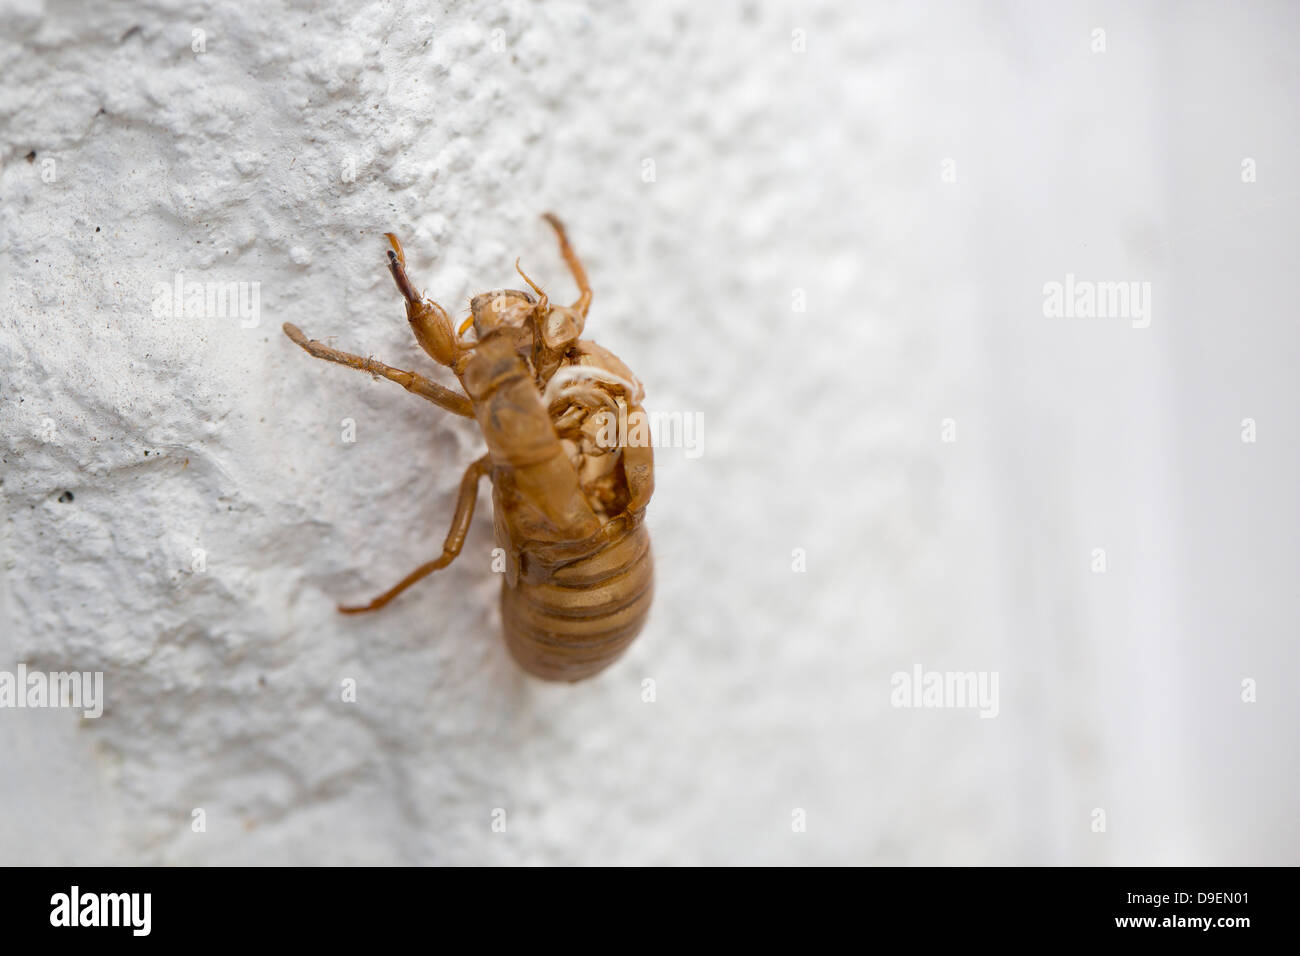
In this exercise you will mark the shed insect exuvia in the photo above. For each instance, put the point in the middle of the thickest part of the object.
(568, 509)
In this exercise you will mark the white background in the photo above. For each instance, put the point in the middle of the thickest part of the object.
(774, 171)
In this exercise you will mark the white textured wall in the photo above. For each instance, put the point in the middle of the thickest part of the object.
(775, 171)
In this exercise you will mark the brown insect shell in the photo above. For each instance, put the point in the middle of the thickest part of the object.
(560, 327)
(540, 514)
(505, 312)
(597, 356)
(539, 509)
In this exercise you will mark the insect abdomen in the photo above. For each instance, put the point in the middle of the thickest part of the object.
(584, 614)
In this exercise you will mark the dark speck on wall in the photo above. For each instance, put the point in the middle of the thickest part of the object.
(65, 497)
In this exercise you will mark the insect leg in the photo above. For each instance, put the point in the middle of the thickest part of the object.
(415, 384)
(575, 266)
(450, 548)
(429, 321)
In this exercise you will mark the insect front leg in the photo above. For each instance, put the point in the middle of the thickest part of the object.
(450, 548)
(415, 384)
(429, 321)
(575, 266)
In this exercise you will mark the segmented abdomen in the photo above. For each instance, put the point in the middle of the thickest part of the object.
(585, 614)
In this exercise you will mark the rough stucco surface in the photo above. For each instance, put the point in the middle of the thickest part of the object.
(775, 171)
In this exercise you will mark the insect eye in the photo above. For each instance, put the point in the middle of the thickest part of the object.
(560, 328)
